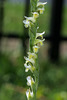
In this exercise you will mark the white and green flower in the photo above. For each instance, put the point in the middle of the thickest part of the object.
(41, 4)
(32, 19)
(27, 23)
(35, 14)
(29, 60)
(32, 55)
(39, 42)
(35, 49)
(40, 34)
(30, 81)
(29, 93)
(28, 67)
(41, 10)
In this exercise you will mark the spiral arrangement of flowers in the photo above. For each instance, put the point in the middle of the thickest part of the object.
(35, 42)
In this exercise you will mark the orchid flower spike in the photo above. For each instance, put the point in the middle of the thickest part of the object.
(35, 41)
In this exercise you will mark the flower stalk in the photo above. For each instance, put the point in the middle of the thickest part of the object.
(35, 42)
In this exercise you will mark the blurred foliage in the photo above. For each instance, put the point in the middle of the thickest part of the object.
(10, 92)
(9, 72)
(13, 17)
(54, 75)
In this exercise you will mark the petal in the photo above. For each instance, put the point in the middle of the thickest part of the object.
(30, 19)
(29, 60)
(27, 66)
(41, 4)
(39, 42)
(39, 34)
(27, 23)
(29, 80)
(27, 93)
(26, 70)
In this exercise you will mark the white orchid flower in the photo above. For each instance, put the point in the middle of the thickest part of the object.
(41, 10)
(39, 42)
(30, 81)
(40, 34)
(28, 67)
(35, 14)
(32, 19)
(35, 49)
(29, 94)
(32, 55)
(27, 23)
(41, 4)
(29, 60)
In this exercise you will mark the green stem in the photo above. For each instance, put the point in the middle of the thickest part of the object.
(32, 33)
(33, 5)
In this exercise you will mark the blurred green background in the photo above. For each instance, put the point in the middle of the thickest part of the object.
(14, 15)
(53, 76)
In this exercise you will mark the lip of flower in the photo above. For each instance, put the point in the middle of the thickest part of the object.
(27, 23)
(39, 42)
(30, 81)
(29, 60)
(40, 10)
(29, 93)
(35, 48)
(32, 55)
(35, 14)
(41, 4)
(40, 34)
(32, 19)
